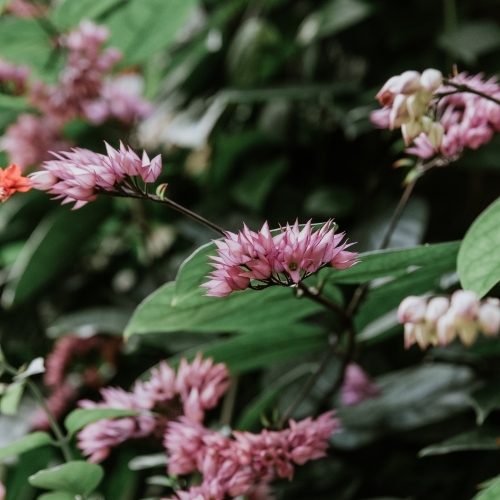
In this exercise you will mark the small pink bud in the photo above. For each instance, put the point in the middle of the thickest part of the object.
(489, 318)
(431, 79)
(437, 307)
(42, 180)
(409, 82)
(412, 310)
(465, 303)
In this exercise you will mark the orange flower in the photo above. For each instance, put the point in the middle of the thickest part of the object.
(11, 181)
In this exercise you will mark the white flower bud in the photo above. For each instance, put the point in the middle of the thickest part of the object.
(431, 79)
(399, 112)
(437, 307)
(465, 303)
(426, 123)
(409, 335)
(489, 318)
(435, 134)
(446, 329)
(423, 335)
(415, 106)
(412, 310)
(410, 130)
(409, 82)
(467, 330)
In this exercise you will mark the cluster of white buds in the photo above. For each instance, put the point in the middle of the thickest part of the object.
(406, 99)
(439, 321)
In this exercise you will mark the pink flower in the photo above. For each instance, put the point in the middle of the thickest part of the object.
(489, 317)
(25, 8)
(30, 139)
(357, 386)
(412, 310)
(80, 174)
(15, 75)
(201, 384)
(285, 259)
(3, 492)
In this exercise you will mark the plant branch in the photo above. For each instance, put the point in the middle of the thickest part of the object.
(465, 88)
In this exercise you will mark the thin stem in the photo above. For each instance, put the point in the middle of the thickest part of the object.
(60, 439)
(229, 401)
(309, 385)
(464, 88)
(131, 193)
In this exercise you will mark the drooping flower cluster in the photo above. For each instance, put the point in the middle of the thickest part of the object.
(80, 175)
(357, 386)
(247, 464)
(469, 120)
(439, 118)
(284, 259)
(12, 74)
(439, 321)
(195, 388)
(85, 90)
(12, 181)
(406, 99)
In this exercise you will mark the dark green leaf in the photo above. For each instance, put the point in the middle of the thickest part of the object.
(328, 202)
(79, 418)
(26, 443)
(482, 438)
(77, 477)
(50, 249)
(478, 259)
(485, 400)
(253, 189)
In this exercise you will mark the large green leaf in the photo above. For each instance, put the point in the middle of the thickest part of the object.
(56, 495)
(140, 29)
(69, 13)
(383, 263)
(482, 438)
(50, 249)
(77, 477)
(485, 400)
(79, 418)
(26, 443)
(478, 259)
(490, 491)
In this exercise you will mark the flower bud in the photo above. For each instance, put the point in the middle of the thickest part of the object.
(489, 318)
(399, 112)
(465, 303)
(42, 180)
(431, 79)
(409, 82)
(424, 335)
(412, 309)
(426, 123)
(410, 130)
(437, 307)
(385, 95)
(435, 134)
(409, 335)
(446, 329)
(415, 106)
(467, 330)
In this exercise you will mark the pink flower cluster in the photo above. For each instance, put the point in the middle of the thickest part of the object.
(439, 118)
(80, 175)
(357, 386)
(25, 8)
(469, 120)
(195, 388)
(15, 75)
(245, 465)
(84, 90)
(439, 321)
(284, 259)
(405, 99)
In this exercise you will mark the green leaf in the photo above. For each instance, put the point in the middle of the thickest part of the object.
(79, 418)
(482, 438)
(334, 17)
(15, 103)
(140, 29)
(77, 477)
(56, 495)
(250, 418)
(485, 400)
(478, 261)
(26, 443)
(50, 249)
(11, 398)
(69, 13)
(383, 263)
(491, 490)
(253, 189)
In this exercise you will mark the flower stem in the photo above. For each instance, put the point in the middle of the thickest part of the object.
(465, 88)
(60, 438)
